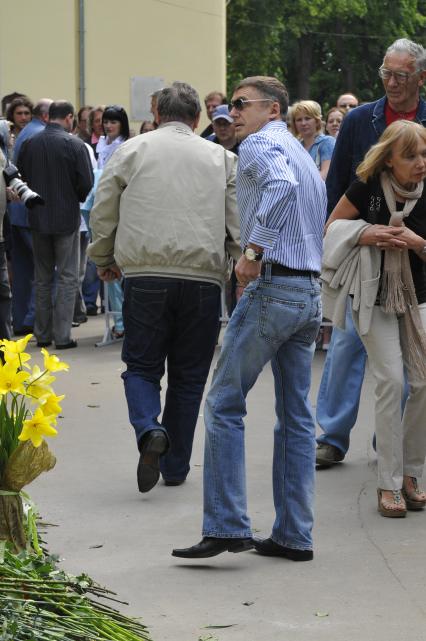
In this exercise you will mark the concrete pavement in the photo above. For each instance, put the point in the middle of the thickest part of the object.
(368, 578)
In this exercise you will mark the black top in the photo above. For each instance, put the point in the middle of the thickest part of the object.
(234, 149)
(207, 131)
(57, 166)
(369, 200)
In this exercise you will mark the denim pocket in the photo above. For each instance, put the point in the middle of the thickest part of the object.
(147, 305)
(279, 318)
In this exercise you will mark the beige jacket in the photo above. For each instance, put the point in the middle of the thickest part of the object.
(349, 269)
(166, 206)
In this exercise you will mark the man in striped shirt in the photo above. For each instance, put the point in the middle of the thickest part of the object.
(282, 203)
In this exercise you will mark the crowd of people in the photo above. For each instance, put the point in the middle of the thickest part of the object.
(308, 213)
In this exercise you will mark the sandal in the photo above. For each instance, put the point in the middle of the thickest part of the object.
(415, 498)
(116, 334)
(394, 507)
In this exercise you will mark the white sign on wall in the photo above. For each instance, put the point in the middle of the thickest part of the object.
(141, 89)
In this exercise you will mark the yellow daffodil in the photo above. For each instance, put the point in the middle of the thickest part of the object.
(52, 362)
(36, 428)
(18, 360)
(50, 406)
(38, 385)
(11, 379)
(18, 346)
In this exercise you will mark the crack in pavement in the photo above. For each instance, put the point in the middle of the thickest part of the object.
(381, 553)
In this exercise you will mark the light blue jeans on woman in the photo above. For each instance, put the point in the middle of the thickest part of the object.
(277, 320)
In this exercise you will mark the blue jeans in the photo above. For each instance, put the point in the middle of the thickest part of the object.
(115, 294)
(177, 320)
(91, 285)
(340, 388)
(275, 320)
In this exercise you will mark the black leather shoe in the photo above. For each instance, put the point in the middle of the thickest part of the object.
(91, 310)
(23, 331)
(268, 547)
(174, 483)
(153, 445)
(210, 546)
(69, 345)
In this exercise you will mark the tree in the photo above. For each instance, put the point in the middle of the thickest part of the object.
(317, 47)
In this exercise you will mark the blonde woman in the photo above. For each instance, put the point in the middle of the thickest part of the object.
(306, 125)
(390, 196)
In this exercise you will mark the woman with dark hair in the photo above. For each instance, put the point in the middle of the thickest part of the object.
(19, 113)
(116, 131)
(115, 124)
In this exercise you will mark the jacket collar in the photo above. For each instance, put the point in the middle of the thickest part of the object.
(176, 123)
(379, 118)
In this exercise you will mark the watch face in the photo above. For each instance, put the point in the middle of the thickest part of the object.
(250, 254)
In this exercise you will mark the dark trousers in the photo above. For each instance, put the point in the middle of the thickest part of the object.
(177, 320)
(5, 297)
(23, 307)
(55, 255)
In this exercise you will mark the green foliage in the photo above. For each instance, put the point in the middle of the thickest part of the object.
(11, 421)
(319, 48)
(40, 602)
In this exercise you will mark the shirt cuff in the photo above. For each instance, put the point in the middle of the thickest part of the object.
(264, 236)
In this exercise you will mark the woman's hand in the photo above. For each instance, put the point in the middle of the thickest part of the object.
(410, 238)
(384, 237)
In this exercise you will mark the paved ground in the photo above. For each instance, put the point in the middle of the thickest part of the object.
(367, 580)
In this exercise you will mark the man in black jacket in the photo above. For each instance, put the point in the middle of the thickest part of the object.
(57, 166)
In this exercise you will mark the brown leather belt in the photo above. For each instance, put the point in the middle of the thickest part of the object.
(282, 270)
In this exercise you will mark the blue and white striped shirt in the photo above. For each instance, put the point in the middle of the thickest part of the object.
(281, 197)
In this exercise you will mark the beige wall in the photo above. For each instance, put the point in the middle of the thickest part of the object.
(176, 40)
(37, 48)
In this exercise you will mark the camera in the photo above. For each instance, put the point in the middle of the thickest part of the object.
(13, 180)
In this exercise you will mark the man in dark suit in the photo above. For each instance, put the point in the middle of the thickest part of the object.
(57, 166)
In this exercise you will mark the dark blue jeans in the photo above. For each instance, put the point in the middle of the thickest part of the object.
(23, 305)
(175, 320)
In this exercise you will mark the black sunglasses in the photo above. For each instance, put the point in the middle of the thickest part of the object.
(239, 103)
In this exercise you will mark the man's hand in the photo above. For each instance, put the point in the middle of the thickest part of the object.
(109, 273)
(11, 195)
(247, 270)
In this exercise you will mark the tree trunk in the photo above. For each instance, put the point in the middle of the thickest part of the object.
(341, 49)
(305, 47)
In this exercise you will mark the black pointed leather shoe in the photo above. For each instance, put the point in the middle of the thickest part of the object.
(210, 546)
(154, 444)
(268, 547)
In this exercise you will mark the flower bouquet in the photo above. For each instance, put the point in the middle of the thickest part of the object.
(38, 600)
(28, 412)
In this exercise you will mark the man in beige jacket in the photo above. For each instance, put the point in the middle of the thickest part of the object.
(165, 216)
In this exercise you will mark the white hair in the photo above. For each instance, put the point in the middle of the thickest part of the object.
(403, 45)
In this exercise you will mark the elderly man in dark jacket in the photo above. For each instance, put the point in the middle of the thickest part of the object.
(57, 166)
(403, 73)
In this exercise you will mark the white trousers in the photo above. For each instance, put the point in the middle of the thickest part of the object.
(400, 444)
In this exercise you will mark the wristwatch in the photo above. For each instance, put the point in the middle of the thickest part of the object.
(423, 251)
(251, 254)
